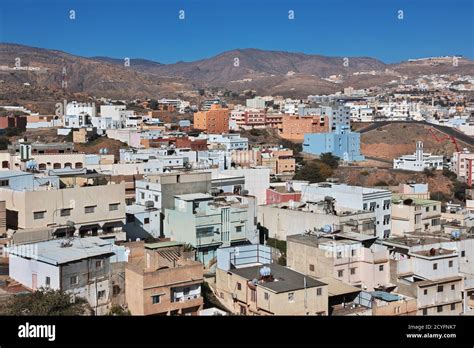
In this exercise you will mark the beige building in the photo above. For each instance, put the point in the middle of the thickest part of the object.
(249, 283)
(83, 205)
(161, 279)
(415, 215)
(352, 258)
(290, 218)
(282, 291)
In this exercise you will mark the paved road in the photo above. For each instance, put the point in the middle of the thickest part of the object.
(446, 130)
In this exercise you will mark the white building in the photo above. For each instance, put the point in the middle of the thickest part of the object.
(355, 197)
(77, 109)
(361, 113)
(256, 103)
(229, 141)
(80, 266)
(419, 161)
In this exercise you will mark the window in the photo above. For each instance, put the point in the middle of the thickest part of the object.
(73, 280)
(450, 263)
(439, 309)
(101, 294)
(339, 254)
(142, 195)
(291, 297)
(425, 311)
(47, 281)
(186, 291)
(425, 292)
(38, 215)
(463, 253)
(90, 209)
(114, 206)
(372, 206)
(204, 232)
(435, 266)
(99, 264)
(435, 208)
(4, 183)
(340, 273)
(66, 212)
(353, 252)
(243, 310)
(319, 291)
(427, 209)
(453, 286)
(311, 268)
(440, 288)
(365, 206)
(156, 198)
(353, 270)
(239, 286)
(417, 218)
(453, 306)
(155, 299)
(381, 268)
(238, 229)
(266, 296)
(253, 295)
(146, 221)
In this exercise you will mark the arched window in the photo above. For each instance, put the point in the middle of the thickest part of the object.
(57, 166)
(67, 164)
(5, 164)
(42, 166)
(78, 165)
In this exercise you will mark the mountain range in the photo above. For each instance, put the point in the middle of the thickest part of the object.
(266, 72)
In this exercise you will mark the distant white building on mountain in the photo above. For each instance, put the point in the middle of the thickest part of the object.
(419, 161)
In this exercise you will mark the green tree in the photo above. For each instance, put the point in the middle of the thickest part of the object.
(46, 302)
(153, 104)
(314, 171)
(329, 159)
(117, 310)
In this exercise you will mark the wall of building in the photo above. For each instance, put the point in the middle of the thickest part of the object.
(22, 270)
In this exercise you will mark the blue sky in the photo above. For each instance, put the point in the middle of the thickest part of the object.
(151, 29)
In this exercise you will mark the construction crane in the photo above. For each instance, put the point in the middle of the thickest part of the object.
(446, 137)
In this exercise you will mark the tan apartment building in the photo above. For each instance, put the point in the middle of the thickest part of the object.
(415, 215)
(91, 205)
(295, 127)
(352, 258)
(246, 291)
(213, 121)
(248, 283)
(162, 279)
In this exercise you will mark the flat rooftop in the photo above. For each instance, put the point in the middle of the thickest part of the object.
(343, 188)
(284, 279)
(160, 245)
(414, 201)
(194, 196)
(61, 251)
(434, 252)
(337, 288)
(321, 239)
